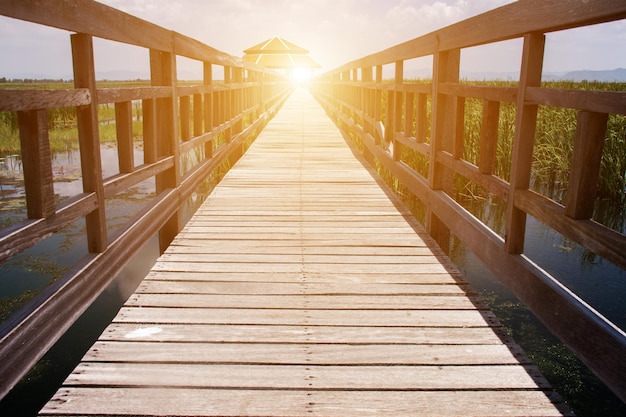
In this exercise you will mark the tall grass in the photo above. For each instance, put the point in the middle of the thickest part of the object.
(553, 147)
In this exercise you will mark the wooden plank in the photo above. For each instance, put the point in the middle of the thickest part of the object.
(285, 267)
(281, 333)
(26, 100)
(299, 353)
(115, 95)
(489, 136)
(239, 402)
(589, 101)
(305, 316)
(311, 278)
(89, 138)
(298, 258)
(124, 130)
(582, 185)
(150, 286)
(349, 302)
(355, 377)
(511, 21)
(329, 298)
(217, 246)
(37, 160)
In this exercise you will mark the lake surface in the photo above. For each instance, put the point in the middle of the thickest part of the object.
(598, 282)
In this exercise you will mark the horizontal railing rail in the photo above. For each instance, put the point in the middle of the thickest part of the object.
(215, 120)
(396, 120)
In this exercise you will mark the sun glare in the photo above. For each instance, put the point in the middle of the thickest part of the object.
(301, 75)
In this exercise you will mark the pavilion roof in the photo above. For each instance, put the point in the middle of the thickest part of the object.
(277, 52)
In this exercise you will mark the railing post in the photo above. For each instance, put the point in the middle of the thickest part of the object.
(446, 67)
(148, 109)
(489, 137)
(582, 186)
(396, 124)
(185, 118)
(226, 98)
(525, 126)
(37, 163)
(163, 73)
(236, 106)
(208, 106)
(124, 130)
(458, 146)
(89, 139)
(237, 102)
(366, 99)
(421, 122)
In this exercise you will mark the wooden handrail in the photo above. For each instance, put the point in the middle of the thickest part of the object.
(170, 131)
(355, 103)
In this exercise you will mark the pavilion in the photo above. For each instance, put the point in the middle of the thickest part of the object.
(281, 54)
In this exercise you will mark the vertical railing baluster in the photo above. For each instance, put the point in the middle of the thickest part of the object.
(525, 126)
(208, 106)
(398, 102)
(459, 129)
(366, 100)
(124, 130)
(197, 115)
(185, 118)
(582, 185)
(421, 128)
(89, 139)
(148, 109)
(446, 69)
(163, 73)
(237, 103)
(409, 114)
(489, 137)
(36, 163)
(226, 98)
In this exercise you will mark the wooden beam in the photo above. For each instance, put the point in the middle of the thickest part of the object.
(89, 139)
(24, 100)
(124, 129)
(489, 137)
(582, 185)
(523, 142)
(37, 163)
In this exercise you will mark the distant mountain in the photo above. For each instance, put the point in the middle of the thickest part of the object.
(616, 75)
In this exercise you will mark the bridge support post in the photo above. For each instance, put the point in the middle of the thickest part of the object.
(163, 73)
(446, 68)
(89, 139)
(523, 142)
(208, 106)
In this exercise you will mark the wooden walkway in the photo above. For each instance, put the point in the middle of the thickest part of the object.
(303, 288)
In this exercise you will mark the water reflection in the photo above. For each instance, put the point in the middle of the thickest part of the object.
(596, 280)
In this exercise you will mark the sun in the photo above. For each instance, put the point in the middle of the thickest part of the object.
(301, 75)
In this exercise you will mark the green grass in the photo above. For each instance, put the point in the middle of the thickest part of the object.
(553, 146)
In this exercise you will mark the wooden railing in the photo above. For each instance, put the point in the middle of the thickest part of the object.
(213, 119)
(353, 95)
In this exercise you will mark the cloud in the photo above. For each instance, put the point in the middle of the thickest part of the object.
(334, 31)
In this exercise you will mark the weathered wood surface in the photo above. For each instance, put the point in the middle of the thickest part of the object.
(301, 288)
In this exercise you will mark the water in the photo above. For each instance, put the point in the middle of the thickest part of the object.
(600, 283)
(597, 281)
(31, 271)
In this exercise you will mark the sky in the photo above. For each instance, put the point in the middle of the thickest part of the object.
(334, 31)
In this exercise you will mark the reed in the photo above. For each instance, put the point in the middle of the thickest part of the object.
(553, 146)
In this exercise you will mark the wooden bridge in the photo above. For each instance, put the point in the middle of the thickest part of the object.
(302, 286)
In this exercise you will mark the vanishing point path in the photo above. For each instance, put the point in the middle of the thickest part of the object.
(302, 287)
